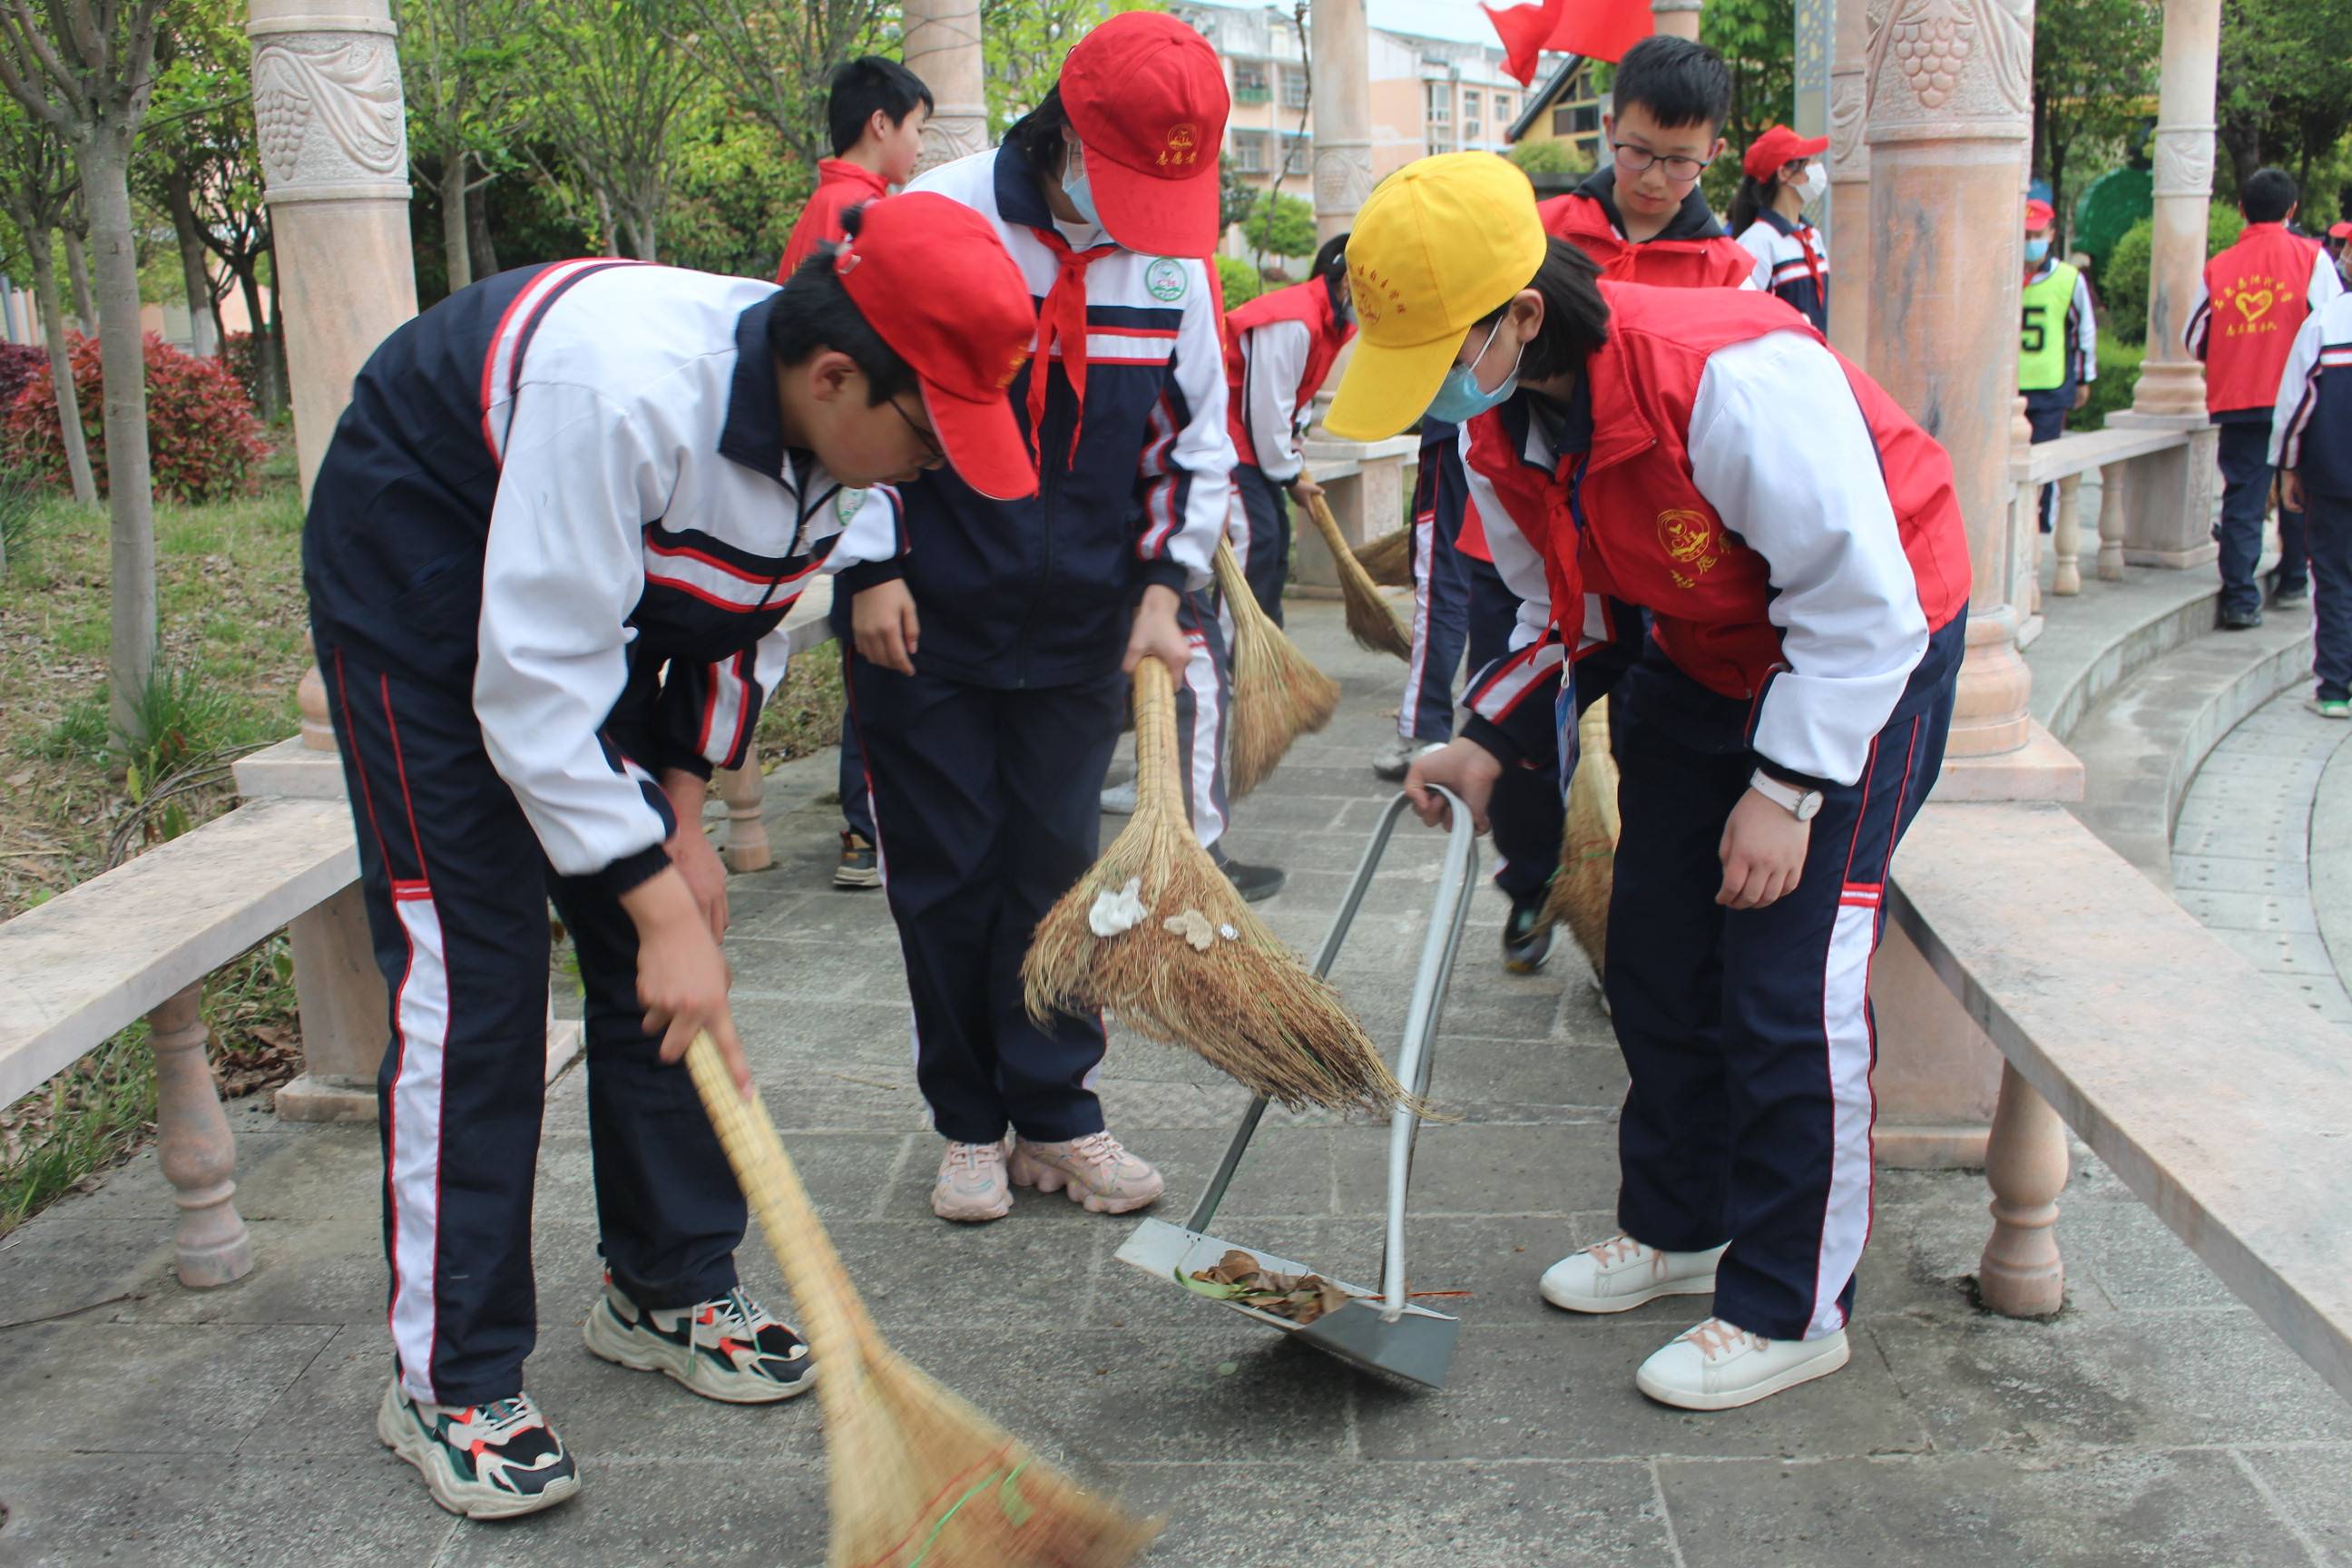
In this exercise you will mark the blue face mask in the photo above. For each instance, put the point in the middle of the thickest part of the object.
(1081, 194)
(1461, 399)
(2037, 251)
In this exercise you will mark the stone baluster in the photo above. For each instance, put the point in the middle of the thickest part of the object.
(2111, 523)
(1340, 59)
(195, 1149)
(743, 790)
(942, 46)
(2067, 538)
(2020, 1274)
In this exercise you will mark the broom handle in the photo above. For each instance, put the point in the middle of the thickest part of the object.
(1155, 739)
(840, 1334)
(1321, 511)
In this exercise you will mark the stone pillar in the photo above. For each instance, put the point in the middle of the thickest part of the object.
(2168, 502)
(942, 46)
(1679, 17)
(1340, 59)
(1949, 84)
(1852, 242)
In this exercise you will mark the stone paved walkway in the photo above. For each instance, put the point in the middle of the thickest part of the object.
(2155, 1422)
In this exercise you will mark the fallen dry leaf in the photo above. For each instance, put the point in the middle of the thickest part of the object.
(1240, 1277)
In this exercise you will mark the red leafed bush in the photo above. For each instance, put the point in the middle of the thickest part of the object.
(202, 437)
(19, 363)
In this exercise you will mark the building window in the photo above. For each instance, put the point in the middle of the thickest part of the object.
(1469, 103)
(1471, 131)
(1249, 82)
(1440, 102)
(1249, 152)
(1295, 150)
(1294, 89)
(1502, 106)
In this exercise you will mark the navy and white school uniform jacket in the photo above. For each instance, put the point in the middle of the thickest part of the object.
(566, 492)
(1133, 488)
(2311, 428)
(1792, 262)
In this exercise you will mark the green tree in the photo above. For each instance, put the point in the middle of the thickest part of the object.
(1024, 43)
(462, 73)
(1553, 157)
(1280, 226)
(2285, 89)
(37, 183)
(1757, 40)
(2093, 79)
(774, 58)
(614, 87)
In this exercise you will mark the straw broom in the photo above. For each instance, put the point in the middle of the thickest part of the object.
(1186, 962)
(1388, 560)
(1278, 695)
(1578, 895)
(1370, 620)
(915, 1474)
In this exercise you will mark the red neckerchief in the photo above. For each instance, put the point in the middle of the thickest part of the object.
(1805, 237)
(1063, 318)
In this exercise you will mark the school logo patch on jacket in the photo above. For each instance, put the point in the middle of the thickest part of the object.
(1165, 279)
(1689, 539)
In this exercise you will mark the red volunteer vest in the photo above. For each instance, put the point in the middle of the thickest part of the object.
(1650, 539)
(2261, 292)
(1309, 302)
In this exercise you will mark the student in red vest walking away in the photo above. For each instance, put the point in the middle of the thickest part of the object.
(2249, 304)
(876, 112)
(1704, 457)
(1279, 349)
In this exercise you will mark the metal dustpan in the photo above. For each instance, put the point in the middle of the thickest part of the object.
(1380, 1330)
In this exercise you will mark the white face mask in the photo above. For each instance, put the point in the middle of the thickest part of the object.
(1815, 185)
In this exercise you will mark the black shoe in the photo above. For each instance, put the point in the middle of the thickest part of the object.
(2229, 620)
(1526, 935)
(1255, 884)
(859, 867)
(2288, 598)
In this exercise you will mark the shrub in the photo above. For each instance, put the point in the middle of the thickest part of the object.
(2123, 289)
(1550, 158)
(19, 363)
(1240, 281)
(202, 437)
(241, 352)
(2119, 361)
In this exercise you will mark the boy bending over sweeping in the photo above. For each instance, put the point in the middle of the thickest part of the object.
(548, 554)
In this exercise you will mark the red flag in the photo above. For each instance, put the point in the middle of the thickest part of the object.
(1597, 29)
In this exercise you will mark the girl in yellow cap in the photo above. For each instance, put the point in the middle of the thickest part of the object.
(1774, 550)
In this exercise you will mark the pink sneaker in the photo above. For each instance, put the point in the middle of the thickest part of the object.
(1097, 1171)
(971, 1187)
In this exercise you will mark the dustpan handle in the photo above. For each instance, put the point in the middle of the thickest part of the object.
(1448, 917)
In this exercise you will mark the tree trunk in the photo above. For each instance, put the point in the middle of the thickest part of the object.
(283, 374)
(77, 274)
(265, 386)
(642, 238)
(604, 219)
(2242, 138)
(454, 256)
(478, 231)
(104, 162)
(44, 295)
(204, 329)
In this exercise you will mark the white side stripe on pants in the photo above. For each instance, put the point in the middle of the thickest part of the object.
(1846, 1019)
(421, 1015)
(1208, 686)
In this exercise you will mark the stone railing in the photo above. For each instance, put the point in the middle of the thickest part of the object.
(2147, 516)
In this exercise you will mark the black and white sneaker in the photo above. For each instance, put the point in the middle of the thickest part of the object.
(731, 1349)
(485, 1461)
(1526, 935)
(1255, 884)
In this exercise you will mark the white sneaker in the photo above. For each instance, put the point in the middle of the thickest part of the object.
(972, 1187)
(1119, 799)
(1721, 1366)
(1620, 1274)
(1095, 1171)
(1393, 757)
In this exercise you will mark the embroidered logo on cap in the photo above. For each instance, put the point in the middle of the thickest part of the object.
(1183, 145)
(1011, 370)
(1165, 279)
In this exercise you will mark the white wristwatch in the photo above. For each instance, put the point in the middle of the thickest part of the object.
(1800, 804)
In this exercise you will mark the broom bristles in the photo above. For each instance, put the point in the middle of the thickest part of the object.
(914, 1474)
(1578, 895)
(1371, 622)
(1279, 696)
(1388, 560)
(1243, 1002)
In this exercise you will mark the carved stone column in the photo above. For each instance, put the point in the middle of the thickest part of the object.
(1679, 17)
(1949, 84)
(1340, 58)
(2167, 502)
(942, 46)
(1852, 242)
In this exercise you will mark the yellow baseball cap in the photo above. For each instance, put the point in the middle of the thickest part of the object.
(1442, 243)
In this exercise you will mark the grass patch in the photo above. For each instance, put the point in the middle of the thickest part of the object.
(79, 1123)
(804, 713)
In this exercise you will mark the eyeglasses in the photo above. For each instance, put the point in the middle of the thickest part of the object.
(1635, 160)
(931, 441)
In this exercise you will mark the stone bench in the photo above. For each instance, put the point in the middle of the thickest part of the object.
(2139, 465)
(138, 942)
(2218, 1101)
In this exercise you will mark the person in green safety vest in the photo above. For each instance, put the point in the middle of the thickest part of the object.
(2058, 344)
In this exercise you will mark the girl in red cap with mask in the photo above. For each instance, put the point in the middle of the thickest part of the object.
(992, 645)
(1781, 174)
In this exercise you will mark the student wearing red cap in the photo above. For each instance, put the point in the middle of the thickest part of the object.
(1779, 177)
(548, 553)
(876, 110)
(993, 643)
(2338, 246)
(2252, 299)
(2058, 338)
(1793, 536)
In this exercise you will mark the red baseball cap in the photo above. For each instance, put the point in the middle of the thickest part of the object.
(1777, 146)
(1146, 97)
(2339, 231)
(2038, 214)
(966, 344)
